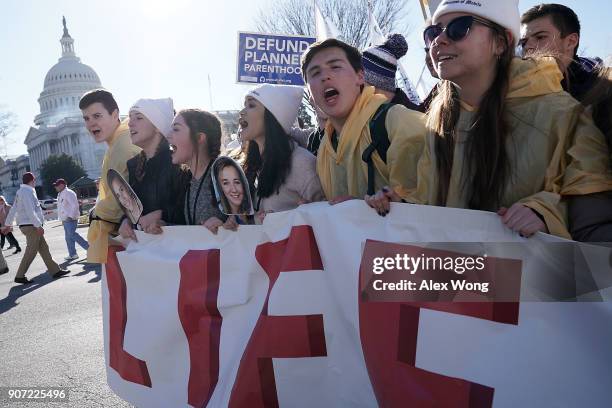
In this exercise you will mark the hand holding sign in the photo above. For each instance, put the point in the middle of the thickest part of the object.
(271, 58)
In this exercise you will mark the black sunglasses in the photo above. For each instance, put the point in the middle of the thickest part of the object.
(456, 29)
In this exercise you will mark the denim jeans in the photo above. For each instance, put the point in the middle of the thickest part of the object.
(72, 236)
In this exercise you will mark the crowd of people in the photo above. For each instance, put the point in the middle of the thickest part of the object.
(26, 210)
(527, 136)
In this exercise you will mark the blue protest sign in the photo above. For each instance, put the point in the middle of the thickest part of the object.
(271, 58)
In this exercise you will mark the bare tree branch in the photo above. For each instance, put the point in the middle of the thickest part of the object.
(350, 16)
(8, 123)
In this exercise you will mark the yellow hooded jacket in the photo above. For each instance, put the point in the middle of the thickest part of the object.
(120, 150)
(553, 148)
(343, 172)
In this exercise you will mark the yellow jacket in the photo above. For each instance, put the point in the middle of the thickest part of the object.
(553, 148)
(120, 150)
(343, 172)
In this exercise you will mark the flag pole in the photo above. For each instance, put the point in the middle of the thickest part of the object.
(424, 8)
(210, 93)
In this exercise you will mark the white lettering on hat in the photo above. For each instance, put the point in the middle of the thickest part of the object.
(468, 2)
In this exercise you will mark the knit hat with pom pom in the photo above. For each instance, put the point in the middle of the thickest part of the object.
(380, 62)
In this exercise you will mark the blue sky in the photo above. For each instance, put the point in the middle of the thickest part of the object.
(161, 48)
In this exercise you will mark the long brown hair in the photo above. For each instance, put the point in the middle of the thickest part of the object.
(486, 170)
(271, 168)
(200, 121)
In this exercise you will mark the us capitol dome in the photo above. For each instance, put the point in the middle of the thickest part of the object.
(64, 84)
(59, 127)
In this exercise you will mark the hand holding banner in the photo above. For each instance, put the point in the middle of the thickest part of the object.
(275, 315)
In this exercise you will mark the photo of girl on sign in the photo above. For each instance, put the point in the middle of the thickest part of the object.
(232, 189)
(125, 196)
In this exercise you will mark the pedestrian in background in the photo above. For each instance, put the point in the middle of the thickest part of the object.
(68, 213)
(29, 215)
(4, 210)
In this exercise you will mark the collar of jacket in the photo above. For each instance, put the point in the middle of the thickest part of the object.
(532, 77)
(364, 107)
(401, 98)
(162, 153)
(582, 75)
(123, 126)
(66, 189)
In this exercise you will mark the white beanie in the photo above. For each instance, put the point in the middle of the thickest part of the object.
(159, 111)
(283, 101)
(503, 12)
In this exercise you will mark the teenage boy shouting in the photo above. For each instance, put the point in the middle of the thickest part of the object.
(101, 115)
(334, 73)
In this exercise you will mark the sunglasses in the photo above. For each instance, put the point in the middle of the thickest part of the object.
(455, 30)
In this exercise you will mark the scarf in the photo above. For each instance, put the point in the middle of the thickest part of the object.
(353, 140)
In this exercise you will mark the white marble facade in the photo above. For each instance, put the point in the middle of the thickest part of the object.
(67, 136)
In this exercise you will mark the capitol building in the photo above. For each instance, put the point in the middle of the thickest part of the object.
(59, 127)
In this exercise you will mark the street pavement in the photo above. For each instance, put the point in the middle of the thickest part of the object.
(51, 331)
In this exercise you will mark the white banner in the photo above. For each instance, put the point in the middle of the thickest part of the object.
(274, 315)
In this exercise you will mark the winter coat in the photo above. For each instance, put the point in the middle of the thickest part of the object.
(159, 184)
(107, 212)
(590, 216)
(401, 98)
(301, 185)
(553, 148)
(343, 172)
(582, 75)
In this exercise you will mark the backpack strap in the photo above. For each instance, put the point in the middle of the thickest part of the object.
(380, 142)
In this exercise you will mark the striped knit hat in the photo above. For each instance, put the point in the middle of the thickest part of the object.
(380, 62)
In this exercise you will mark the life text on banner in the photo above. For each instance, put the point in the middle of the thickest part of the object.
(279, 315)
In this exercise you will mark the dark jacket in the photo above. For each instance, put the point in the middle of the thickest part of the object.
(587, 77)
(401, 98)
(159, 184)
(590, 216)
(581, 76)
(314, 140)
